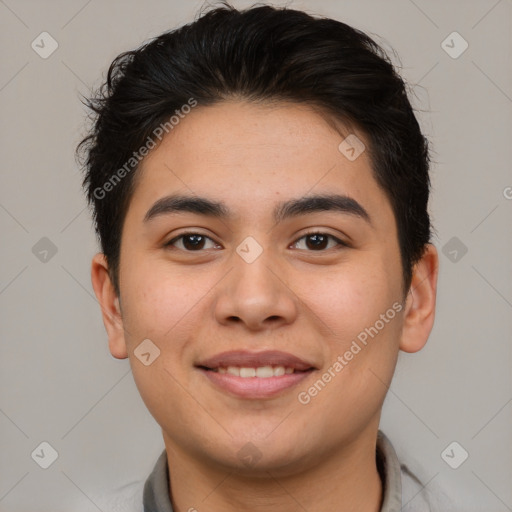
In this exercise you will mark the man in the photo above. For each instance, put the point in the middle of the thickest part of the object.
(259, 185)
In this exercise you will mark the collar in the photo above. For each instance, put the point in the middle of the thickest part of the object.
(156, 495)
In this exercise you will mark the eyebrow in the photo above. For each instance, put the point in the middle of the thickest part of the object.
(177, 203)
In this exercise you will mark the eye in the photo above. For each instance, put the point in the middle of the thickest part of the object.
(194, 242)
(190, 241)
(319, 240)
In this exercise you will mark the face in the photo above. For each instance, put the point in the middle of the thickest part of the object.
(265, 340)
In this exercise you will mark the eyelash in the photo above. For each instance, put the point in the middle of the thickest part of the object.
(341, 244)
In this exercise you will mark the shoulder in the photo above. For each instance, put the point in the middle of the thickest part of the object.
(127, 498)
(419, 496)
(403, 490)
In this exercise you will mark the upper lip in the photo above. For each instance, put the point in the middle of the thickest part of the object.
(247, 359)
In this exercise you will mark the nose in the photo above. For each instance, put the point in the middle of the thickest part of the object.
(256, 294)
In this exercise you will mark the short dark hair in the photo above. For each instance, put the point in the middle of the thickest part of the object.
(262, 53)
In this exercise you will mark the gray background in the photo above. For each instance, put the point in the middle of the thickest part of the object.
(58, 381)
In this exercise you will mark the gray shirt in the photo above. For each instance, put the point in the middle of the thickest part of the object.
(402, 491)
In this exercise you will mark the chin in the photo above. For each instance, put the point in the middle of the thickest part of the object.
(257, 455)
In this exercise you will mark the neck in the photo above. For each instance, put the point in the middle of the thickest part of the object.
(347, 480)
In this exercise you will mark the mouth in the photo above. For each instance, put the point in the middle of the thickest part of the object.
(261, 372)
(255, 375)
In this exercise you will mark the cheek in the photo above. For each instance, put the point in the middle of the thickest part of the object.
(159, 299)
(163, 307)
(347, 299)
(356, 310)
(363, 330)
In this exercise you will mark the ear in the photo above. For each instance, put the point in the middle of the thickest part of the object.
(110, 308)
(421, 302)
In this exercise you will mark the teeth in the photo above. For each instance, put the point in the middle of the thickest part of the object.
(261, 372)
(278, 371)
(247, 372)
(264, 371)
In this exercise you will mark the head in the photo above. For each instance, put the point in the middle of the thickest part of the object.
(264, 125)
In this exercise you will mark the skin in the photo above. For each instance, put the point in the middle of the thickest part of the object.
(309, 302)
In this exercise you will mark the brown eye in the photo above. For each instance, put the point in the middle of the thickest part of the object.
(190, 242)
(318, 241)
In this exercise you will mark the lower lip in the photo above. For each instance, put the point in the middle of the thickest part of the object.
(255, 387)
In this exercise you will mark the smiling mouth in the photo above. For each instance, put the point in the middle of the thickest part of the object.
(255, 375)
(260, 372)
(255, 383)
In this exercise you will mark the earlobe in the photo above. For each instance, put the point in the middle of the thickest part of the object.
(110, 306)
(421, 302)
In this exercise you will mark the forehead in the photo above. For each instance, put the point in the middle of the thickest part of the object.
(236, 132)
(255, 155)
